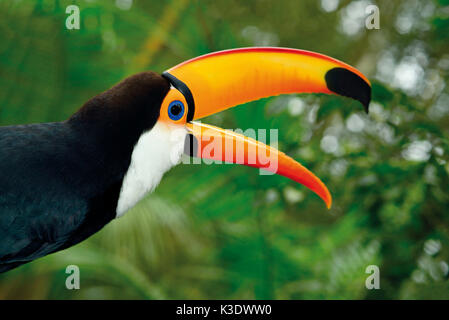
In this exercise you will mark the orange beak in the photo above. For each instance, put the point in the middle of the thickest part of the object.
(221, 80)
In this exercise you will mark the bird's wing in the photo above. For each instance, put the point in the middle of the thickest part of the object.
(44, 205)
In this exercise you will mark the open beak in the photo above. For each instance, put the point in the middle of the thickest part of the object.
(221, 80)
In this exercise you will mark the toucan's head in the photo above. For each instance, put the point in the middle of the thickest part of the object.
(161, 109)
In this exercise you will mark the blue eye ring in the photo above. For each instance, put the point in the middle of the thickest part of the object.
(176, 110)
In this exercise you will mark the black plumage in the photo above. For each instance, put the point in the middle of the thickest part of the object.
(60, 182)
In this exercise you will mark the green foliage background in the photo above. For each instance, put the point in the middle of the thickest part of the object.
(225, 232)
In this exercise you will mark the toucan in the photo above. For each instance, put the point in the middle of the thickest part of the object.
(62, 182)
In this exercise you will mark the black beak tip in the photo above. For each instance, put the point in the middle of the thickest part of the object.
(348, 84)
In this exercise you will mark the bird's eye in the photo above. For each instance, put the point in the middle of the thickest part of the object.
(176, 110)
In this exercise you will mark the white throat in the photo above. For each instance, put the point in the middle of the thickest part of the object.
(154, 154)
